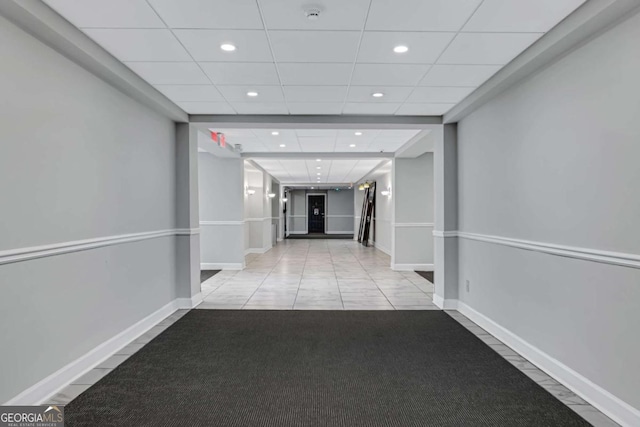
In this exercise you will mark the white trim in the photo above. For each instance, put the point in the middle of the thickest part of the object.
(412, 267)
(338, 232)
(297, 216)
(47, 387)
(297, 232)
(256, 219)
(616, 409)
(256, 251)
(221, 266)
(280, 239)
(221, 222)
(442, 234)
(438, 300)
(34, 252)
(413, 224)
(445, 304)
(615, 258)
(338, 216)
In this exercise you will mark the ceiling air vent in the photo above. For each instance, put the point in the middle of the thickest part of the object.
(312, 14)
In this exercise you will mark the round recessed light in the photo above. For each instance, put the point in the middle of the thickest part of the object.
(251, 93)
(352, 145)
(377, 94)
(282, 145)
(358, 133)
(275, 133)
(318, 167)
(400, 49)
(318, 160)
(227, 47)
(318, 173)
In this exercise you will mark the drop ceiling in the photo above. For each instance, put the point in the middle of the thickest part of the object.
(328, 66)
(331, 171)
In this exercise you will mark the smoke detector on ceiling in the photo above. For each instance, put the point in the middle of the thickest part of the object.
(312, 13)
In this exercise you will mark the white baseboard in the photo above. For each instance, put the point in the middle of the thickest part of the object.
(189, 303)
(445, 304)
(44, 389)
(338, 232)
(280, 239)
(616, 409)
(298, 232)
(221, 266)
(412, 267)
(256, 250)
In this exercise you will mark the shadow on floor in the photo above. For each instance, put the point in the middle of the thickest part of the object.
(207, 274)
(427, 275)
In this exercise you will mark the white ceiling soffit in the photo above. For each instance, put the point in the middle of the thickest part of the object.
(336, 141)
(331, 65)
(322, 172)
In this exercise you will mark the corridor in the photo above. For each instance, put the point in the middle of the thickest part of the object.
(318, 275)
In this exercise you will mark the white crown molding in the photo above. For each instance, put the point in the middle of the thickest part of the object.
(413, 224)
(588, 21)
(49, 386)
(610, 405)
(213, 223)
(46, 25)
(34, 252)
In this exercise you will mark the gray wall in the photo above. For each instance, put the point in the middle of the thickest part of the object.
(78, 160)
(339, 218)
(221, 189)
(555, 160)
(297, 212)
(413, 196)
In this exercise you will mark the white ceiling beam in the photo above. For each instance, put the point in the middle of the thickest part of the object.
(316, 121)
(46, 25)
(588, 21)
(322, 155)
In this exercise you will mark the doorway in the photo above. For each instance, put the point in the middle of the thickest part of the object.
(315, 213)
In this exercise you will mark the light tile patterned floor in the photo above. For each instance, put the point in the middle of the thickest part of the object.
(318, 275)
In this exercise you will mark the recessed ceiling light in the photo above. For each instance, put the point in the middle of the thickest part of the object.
(227, 47)
(282, 145)
(312, 188)
(318, 173)
(318, 167)
(252, 93)
(358, 133)
(377, 94)
(318, 160)
(400, 49)
(352, 145)
(275, 133)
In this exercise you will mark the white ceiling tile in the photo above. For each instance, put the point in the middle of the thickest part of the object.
(486, 48)
(283, 134)
(260, 107)
(324, 108)
(316, 144)
(387, 74)
(401, 135)
(334, 15)
(391, 93)
(266, 94)
(315, 93)
(206, 107)
(327, 133)
(370, 108)
(139, 44)
(520, 16)
(107, 14)
(385, 145)
(241, 73)
(424, 48)
(420, 15)
(238, 14)
(204, 45)
(315, 74)
(458, 75)
(190, 93)
(409, 109)
(434, 95)
(314, 46)
(158, 73)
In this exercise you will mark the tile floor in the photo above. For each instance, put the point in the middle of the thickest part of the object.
(335, 275)
(318, 275)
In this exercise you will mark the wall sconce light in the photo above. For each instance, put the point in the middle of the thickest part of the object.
(284, 199)
(271, 195)
(361, 187)
(249, 191)
(366, 185)
(386, 192)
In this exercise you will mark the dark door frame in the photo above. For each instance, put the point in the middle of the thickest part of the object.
(324, 219)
